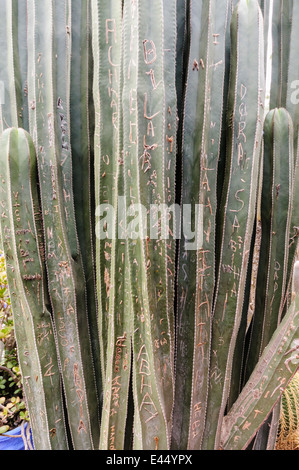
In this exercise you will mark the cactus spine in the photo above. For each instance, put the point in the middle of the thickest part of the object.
(113, 276)
(50, 127)
(275, 206)
(201, 152)
(149, 164)
(263, 388)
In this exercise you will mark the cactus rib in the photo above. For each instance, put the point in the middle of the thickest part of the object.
(245, 125)
(23, 241)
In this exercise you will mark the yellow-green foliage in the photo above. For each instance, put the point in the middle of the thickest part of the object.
(288, 438)
(6, 323)
(12, 406)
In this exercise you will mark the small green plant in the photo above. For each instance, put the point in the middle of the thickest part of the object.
(12, 405)
(6, 319)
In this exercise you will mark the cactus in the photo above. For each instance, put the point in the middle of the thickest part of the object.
(288, 425)
(197, 273)
(131, 333)
(149, 165)
(49, 125)
(277, 366)
(21, 230)
(81, 110)
(243, 151)
(293, 109)
(275, 205)
(111, 253)
(281, 32)
(13, 68)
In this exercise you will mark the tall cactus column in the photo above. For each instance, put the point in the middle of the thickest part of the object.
(275, 208)
(245, 126)
(292, 107)
(281, 34)
(196, 279)
(48, 87)
(149, 164)
(22, 235)
(111, 254)
(81, 110)
(13, 61)
(130, 48)
(273, 222)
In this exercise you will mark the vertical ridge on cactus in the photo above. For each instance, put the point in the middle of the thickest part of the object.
(186, 271)
(204, 152)
(274, 206)
(129, 100)
(21, 231)
(239, 197)
(112, 261)
(10, 70)
(145, 162)
(293, 108)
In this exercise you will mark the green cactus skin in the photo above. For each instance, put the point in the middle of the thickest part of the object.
(11, 115)
(245, 125)
(130, 141)
(281, 31)
(106, 26)
(168, 89)
(275, 204)
(112, 256)
(236, 384)
(275, 369)
(293, 109)
(182, 52)
(207, 146)
(187, 262)
(81, 109)
(275, 209)
(20, 12)
(22, 236)
(293, 71)
(265, 8)
(62, 48)
(149, 160)
(49, 119)
(170, 130)
(223, 141)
